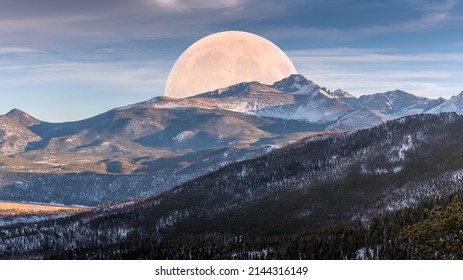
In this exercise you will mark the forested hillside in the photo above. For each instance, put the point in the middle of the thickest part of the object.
(340, 196)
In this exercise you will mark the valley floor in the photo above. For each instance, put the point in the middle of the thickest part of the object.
(15, 209)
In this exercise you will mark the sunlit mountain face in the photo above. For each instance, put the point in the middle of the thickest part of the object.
(166, 141)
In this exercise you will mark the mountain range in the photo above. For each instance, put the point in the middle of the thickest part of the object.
(176, 140)
(251, 171)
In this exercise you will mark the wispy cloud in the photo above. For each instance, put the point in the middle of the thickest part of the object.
(129, 77)
(371, 56)
(423, 16)
(17, 50)
(427, 5)
(365, 71)
(185, 5)
(427, 22)
(106, 21)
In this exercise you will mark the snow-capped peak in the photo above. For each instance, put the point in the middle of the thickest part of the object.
(339, 93)
(454, 104)
(22, 117)
(240, 90)
(298, 85)
(293, 83)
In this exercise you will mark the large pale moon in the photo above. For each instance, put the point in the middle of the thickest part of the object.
(226, 58)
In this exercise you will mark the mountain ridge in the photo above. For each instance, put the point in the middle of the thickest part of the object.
(164, 135)
(261, 114)
(294, 85)
(298, 98)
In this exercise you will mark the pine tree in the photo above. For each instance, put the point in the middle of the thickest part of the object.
(440, 236)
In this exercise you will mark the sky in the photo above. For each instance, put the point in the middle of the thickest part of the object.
(65, 60)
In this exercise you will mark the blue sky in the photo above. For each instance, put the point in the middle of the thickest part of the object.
(64, 60)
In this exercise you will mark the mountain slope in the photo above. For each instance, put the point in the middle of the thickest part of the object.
(165, 136)
(241, 114)
(293, 98)
(132, 136)
(296, 98)
(14, 137)
(92, 189)
(454, 104)
(323, 182)
(128, 139)
(397, 103)
(22, 118)
(309, 185)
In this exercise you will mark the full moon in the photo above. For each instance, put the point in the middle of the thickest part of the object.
(226, 58)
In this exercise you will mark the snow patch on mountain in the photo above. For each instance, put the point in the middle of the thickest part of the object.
(297, 98)
(182, 136)
(359, 119)
(397, 154)
(454, 104)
